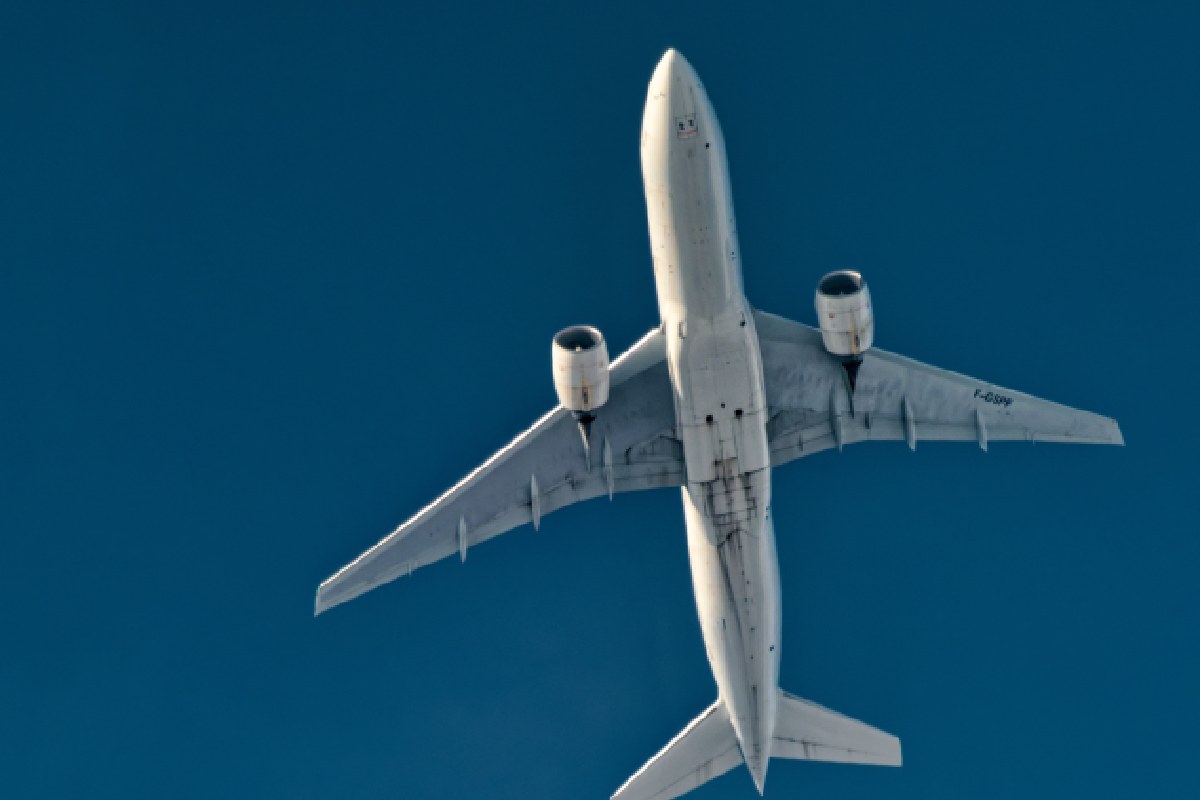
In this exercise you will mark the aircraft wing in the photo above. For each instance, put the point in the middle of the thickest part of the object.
(633, 446)
(896, 398)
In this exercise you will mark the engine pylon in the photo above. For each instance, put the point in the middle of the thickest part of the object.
(584, 420)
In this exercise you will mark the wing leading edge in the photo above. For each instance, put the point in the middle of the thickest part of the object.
(542, 470)
(897, 398)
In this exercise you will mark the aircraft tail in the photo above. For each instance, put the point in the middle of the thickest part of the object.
(810, 732)
(703, 750)
(708, 748)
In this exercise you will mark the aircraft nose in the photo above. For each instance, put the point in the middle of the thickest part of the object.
(673, 65)
(661, 79)
(676, 102)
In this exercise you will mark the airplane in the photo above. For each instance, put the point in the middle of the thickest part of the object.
(710, 401)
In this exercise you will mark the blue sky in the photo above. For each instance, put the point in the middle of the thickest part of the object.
(271, 277)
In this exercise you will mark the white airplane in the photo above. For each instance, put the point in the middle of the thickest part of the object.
(710, 401)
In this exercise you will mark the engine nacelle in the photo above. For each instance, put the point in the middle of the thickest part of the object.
(844, 314)
(580, 360)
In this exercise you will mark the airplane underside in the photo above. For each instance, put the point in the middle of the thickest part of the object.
(711, 401)
(716, 369)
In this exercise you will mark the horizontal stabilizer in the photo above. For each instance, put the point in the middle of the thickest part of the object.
(810, 732)
(703, 750)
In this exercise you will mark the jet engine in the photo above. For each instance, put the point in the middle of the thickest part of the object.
(580, 361)
(846, 319)
(844, 314)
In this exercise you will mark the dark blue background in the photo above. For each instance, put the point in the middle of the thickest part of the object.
(273, 276)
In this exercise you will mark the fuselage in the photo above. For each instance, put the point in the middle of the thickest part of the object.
(716, 371)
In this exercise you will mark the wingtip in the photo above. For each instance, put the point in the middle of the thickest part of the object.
(322, 601)
(1117, 437)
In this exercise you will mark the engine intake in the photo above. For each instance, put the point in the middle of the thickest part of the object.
(580, 360)
(844, 314)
